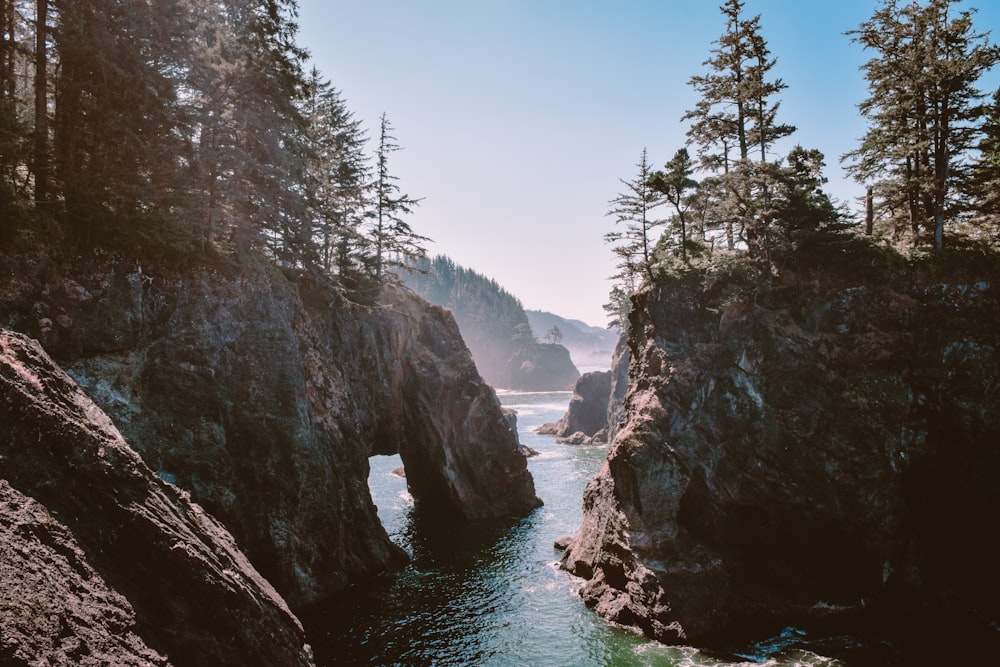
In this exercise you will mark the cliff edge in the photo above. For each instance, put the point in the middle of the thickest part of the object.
(263, 394)
(105, 563)
(803, 449)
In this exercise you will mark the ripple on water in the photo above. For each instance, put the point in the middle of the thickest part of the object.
(491, 594)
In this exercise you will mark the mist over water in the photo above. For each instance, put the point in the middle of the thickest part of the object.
(491, 593)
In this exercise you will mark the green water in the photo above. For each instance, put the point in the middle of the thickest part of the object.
(491, 594)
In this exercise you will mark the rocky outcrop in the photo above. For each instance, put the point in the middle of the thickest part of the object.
(586, 418)
(800, 452)
(542, 367)
(263, 395)
(102, 561)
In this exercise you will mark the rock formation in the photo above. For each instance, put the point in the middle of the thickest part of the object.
(542, 367)
(801, 452)
(586, 418)
(264, 395)
(102, 561)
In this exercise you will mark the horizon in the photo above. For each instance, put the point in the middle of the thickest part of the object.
(518, 119)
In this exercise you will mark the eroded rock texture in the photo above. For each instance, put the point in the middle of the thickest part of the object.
(541, 367)
(264, 395)
(800, 453)
(587, 414)
(105, 563)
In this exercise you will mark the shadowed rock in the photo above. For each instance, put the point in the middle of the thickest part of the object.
(110, 564)
(264, 396)
(799, 456)
(587, 414)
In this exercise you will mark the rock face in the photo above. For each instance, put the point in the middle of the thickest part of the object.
(542, 367)
(102, 561)
(807, 452)
(264, 396)
(587, 415)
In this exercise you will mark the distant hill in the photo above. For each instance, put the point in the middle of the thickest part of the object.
(494, 326)
(588, 345)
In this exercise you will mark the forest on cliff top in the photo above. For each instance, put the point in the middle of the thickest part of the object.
(182, 129)
(930, 160)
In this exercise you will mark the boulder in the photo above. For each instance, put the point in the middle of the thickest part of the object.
(587, 414)
(104, 562)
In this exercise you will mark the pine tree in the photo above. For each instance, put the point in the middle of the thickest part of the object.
(634, 210)
(675, 184)
(985, 177)
(922, 108)
(393, 239)
(737, 111)
(14, 122)
(336, 177)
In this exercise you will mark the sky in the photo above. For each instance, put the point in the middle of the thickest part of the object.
(518, 119)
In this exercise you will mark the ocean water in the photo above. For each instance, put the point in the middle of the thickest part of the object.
(491, 594)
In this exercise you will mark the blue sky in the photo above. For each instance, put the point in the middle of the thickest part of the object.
(519, 117)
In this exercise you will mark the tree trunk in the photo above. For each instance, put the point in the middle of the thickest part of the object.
(41, 148)
(869, 212)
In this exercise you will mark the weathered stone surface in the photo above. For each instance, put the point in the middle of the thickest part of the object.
(55, 608)
(196, 599)
(807, 453)
(264, 395)
(542, 367)
(587, 413)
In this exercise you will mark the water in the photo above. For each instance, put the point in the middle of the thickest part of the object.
(491, 594)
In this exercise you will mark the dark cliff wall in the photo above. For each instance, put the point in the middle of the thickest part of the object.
(103, 562)
(264, 397)
(586, 418)
(805, 450)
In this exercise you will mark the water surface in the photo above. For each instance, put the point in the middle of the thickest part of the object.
(491, 594)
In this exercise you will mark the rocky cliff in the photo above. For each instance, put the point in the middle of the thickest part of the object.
(102, 561)
(799, 450)
(541, 367)
(586, 418)
(263, 395)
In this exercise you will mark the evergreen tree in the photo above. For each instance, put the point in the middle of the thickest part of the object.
(799, 207)
(336, 177)
(14, 123)
(922, 108)
(737, 110)
(633, 209)
(394, 240)
(985, 181)
(675, 183)
(114, 143)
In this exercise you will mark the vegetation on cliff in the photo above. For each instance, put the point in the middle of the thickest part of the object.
(810, 428)
(180, 128)
(928, 160)
(494, 325)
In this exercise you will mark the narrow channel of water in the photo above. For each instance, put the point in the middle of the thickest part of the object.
(491, 594)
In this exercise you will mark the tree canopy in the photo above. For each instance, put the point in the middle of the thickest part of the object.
(190, 127)
(930, 159)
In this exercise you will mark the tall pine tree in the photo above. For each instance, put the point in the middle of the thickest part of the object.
(922, 108)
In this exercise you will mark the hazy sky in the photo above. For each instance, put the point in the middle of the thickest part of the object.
(519, 117)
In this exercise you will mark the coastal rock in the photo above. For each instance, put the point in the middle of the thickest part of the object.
(105, 563)
(801, 454)
(264, 394)
(55, 608)
(587, 414)
(542, 367)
